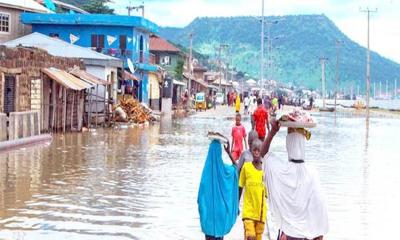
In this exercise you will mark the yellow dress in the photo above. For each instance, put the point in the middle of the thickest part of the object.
(237, 104)
(254, 202)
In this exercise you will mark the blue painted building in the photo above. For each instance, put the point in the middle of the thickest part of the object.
(124, 37)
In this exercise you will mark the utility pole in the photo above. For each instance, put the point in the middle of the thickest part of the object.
(337, 68)
(130, 8)
(387, 88)
(190, 66)
(395, 88)
(221, 46)
(262, 46)
(374, 90)
(380, 89)
(323, 61)
(368, 77)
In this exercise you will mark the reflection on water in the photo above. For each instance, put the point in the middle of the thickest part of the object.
(142, 183)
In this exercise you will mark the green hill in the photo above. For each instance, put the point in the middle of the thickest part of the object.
(302, 41)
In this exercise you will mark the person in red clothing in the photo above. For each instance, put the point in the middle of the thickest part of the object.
(238, 136)
(260, 117)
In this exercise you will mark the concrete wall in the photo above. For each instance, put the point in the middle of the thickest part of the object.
(17, 29)
(23, 124)
(1, 92)
(3, 127)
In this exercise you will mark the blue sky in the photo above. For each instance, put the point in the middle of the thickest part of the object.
(385, 24)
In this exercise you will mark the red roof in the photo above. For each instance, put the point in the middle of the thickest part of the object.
(161, 45)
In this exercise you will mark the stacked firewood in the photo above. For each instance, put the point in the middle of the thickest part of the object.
(135, 111)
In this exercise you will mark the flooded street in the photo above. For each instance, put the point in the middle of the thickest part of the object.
(142, 183)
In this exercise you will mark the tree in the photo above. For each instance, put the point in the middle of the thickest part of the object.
(179, 69)
(98, 6)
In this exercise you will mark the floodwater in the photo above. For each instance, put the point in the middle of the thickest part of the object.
(142, 183)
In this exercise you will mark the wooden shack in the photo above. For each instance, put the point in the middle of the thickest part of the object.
(32, 79)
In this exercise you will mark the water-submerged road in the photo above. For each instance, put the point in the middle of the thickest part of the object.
(142, 183)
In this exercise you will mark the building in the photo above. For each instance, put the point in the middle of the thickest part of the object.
(123, 37)
(10, 15)
(33, 81)
(165, 54)
(99, 65)
(62, 7)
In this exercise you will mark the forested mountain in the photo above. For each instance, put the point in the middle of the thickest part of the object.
(297, 43)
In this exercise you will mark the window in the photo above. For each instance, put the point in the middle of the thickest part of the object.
(166, 60)
(97, 42)
(122, 42)
(4, 22)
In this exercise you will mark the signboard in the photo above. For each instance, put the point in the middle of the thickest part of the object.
(167, 87)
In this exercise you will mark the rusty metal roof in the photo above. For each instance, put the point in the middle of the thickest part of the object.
(130, 76)
(66, 79)
(88, 77)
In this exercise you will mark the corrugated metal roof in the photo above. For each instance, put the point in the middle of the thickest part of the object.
(88, 77)
(162, 45)
(66, 79)
(26, 5)
(130, 76)
(57, 47)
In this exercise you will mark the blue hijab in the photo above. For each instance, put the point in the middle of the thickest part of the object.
(218, 194)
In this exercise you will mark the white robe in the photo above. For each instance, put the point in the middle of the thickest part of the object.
(295, 199)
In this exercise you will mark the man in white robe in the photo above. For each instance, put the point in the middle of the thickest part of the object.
(295, 199)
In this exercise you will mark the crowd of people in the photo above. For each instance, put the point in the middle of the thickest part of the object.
(288, 187)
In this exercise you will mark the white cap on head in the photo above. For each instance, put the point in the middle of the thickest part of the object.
(295, 146)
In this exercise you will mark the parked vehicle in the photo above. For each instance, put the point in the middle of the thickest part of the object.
(200, 101)
(219, 98)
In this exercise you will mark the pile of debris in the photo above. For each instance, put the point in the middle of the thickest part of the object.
(133, 111)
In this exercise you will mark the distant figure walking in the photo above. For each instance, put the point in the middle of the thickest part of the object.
(238, 137)
(260, 117)
(246, 105)
(237, 103)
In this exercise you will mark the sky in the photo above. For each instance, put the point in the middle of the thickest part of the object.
(385, 23)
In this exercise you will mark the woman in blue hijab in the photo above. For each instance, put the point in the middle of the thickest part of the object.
(218, 197)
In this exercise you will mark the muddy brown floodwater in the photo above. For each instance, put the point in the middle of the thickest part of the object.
(142, 183)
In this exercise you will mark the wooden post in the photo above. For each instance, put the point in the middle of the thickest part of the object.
(72, 109)
(64, 112)
(79, 111)
(105, 105)
(97, 100)
(53, 104)
(90, 108)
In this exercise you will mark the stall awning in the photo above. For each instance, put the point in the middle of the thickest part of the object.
(212, 87)
(176, 82)
(199, 81)
(66, 79)
(91, 79)
(130, 76)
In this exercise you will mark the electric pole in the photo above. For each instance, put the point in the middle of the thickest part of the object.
(337, 68)
(262, 46)
(395, 88)
(221, 46)
(323, 61)
(368, 77)
(387, 88)
(130, 8)
(374, 91)
(190, 65)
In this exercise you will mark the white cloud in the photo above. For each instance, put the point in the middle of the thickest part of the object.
(385, 30)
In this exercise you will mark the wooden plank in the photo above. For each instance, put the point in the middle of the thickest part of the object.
(90, 109)
(97, 100)
(11, 70)
(53, 103)
(72, 110)
(64, 112)
(80, 101)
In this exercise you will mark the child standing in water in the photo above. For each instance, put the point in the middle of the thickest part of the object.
(254, 211)
(238, 137)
